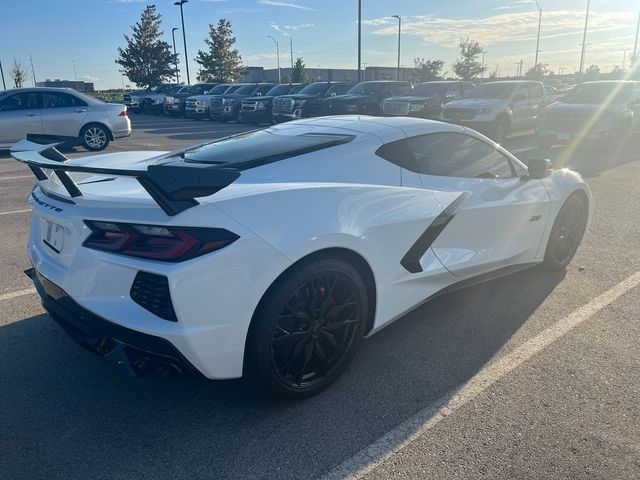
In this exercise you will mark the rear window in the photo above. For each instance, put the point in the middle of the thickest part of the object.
(260, 147)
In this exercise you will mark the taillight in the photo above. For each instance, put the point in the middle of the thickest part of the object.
(156, 242)
(124, 113)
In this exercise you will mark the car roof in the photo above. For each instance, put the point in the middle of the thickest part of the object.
(512, 81)
(630, 82)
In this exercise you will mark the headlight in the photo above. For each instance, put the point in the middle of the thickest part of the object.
(226, 101)
(483, 111)
(169, 100)
(261, 105)
(156, 101)
(416, 107)
(299, 103)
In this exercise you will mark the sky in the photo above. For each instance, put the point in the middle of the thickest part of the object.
(86, 33)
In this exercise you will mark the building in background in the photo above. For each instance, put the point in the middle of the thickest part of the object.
(78, 86)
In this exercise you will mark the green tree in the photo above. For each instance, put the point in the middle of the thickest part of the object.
(537, 72)
(468, 66)
(591, 73)
(147, 60)
(427, 70)
(299, 73)
(19, 74)
(220, 63)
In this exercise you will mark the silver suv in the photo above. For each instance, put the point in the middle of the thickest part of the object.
(498, 108)
(62, 114)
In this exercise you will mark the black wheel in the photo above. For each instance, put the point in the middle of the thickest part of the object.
(500, 130)
(146, 107)
(566, 234)
(95, 137)
(307, 330)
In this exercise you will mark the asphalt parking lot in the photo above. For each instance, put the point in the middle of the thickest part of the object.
(527, 377)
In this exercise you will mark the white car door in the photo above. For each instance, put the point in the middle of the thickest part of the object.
(498, 215)
(20, 115)
(63, 114)
(520, 108)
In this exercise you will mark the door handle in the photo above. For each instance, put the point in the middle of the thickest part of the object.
(81, 110)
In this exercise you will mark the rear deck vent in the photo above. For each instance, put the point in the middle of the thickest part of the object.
(151, 292)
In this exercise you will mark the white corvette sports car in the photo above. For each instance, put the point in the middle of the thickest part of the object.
(273, 253)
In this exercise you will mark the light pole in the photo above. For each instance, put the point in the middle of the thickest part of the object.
(278, 55)
(180, 3)
(318, 73)
(539, 25)
(399, 32)
(584, 37)
(75, 74)
(483, 65)
(359, 40)
(635, 45)
(4, 85)
(173, 36)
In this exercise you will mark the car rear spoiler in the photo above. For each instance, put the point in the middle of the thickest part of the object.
(174, 184)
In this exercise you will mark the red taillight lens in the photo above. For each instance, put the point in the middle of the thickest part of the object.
(155, 242)
(124, 113)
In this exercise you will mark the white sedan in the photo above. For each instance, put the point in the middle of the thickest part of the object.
(60, 114)
(272, 253)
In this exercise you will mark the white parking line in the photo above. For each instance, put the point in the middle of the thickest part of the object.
(19, 293)
(386, 446)
(15, 211)
(17, 177)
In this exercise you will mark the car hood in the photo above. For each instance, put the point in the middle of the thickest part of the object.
(477, 103)
(352, 98)
(300, 96)
(414, 99)
(201, 97)
(260, 97)
(581, 109)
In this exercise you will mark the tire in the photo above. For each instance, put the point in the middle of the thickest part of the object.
(500, 130)
(296, 348)
(95, 137)
(567, 233)
(146, 108)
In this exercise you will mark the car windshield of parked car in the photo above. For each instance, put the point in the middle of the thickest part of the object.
(279, 90)
(315, 89)
(599, 93)
(258, 147)
(175, 89)
(197, 89)
(246, 90)
(365, 88)
(500, 91)
(430, 89)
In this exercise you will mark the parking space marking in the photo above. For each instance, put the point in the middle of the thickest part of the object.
(386, 446)
(15, 211)
(16, 177)
(19, 293)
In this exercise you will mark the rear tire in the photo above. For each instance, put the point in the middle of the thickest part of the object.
(567, 233)
(307, 329)
(95, 137)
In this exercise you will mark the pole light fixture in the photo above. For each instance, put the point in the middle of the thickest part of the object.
(399, 33)
(277, 55)
(535, 63)
(584, 38)
(180, 3)
(173, 36)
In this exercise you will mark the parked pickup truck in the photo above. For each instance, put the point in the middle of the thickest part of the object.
(134, 100)
(308, 101)
(257, 110)
(427, 99)
(198, 106)
(365, 98)
(174, 105)
(498, 108)
(232, 102)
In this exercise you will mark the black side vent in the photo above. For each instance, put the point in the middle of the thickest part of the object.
(151, 292)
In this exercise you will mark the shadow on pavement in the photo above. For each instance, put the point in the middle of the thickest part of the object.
(67, 414)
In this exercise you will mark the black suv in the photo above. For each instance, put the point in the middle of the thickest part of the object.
(174, 103)
(257, 110)
(365, 98)
(231, 103)
(308, 101)
(427, 99)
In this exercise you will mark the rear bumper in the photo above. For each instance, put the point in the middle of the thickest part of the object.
(133, 353)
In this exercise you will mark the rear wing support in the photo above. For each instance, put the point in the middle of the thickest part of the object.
(174, 185)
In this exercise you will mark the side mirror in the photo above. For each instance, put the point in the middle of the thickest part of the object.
(539, 168)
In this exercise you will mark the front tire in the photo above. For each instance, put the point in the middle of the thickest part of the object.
(567, 233)
(95, 137)
(307, 329)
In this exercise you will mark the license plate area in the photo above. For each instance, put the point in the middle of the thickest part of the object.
(52, 235)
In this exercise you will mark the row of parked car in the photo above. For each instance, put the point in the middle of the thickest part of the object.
(493, 108)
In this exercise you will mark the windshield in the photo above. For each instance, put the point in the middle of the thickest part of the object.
(245, 90)
(493, 90)
(599, 93)
(261, 146)
(315, 89)
(219, 90)
(199, 89)
(366, 88)
(430, 89)
(175, 89)
(279, 90)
